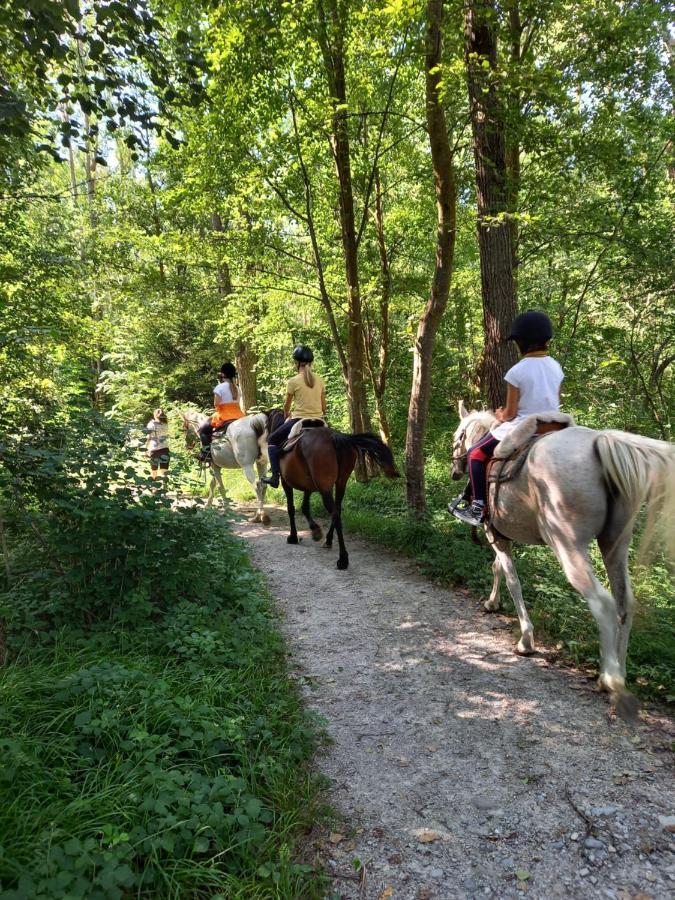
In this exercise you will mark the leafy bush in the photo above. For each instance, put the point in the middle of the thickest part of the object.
(156, 745)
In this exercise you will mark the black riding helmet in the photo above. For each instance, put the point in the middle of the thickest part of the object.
(303, 354)
(531, 327)
(227, 370)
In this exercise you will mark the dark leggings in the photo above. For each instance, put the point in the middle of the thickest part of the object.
(206, 434)
(278, 437)
(478, 455)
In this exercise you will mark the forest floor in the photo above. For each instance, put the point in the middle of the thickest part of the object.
(456, 768)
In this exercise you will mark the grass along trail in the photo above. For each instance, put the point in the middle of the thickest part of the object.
(458, 769)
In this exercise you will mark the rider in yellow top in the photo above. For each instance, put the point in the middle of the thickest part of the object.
(306, 395)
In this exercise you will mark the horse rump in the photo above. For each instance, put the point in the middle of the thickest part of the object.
(368, 445)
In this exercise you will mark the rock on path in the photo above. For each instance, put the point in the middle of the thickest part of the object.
(459, 769)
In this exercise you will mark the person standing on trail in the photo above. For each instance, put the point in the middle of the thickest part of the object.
(227, 409)
(157, 444)
(533, 386)
(306, 396)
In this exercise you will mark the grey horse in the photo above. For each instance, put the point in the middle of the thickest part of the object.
(578, 485)
(243, 447)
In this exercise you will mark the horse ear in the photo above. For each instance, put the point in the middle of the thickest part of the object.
(463, 411)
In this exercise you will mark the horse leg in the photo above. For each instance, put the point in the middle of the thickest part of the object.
(249, 472)
(290, 506)
(492, 603)
(614, 542)
(577, 567)
(217, 478)
(260, 488)
(505, 564)
(336, 523)
(315, 528)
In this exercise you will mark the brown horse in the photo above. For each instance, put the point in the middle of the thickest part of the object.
(323, 460)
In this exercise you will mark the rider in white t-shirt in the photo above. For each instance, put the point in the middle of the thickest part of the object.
(533, 386)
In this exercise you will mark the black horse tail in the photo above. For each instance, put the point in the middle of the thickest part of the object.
(368, 445)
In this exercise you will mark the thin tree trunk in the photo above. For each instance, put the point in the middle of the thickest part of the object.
(246, 361)
(331, 40)
(512, 136)
(495, 235)
(446, 202)
(378, 373)
(157, 223)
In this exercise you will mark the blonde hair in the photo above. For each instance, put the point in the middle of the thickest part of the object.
(160, 415)
(307, 373)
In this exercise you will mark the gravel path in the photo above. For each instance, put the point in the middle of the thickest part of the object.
(457, 768)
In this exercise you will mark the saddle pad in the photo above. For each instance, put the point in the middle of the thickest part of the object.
(524, 431)
(297, 430)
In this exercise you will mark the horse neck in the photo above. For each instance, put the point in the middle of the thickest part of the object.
(480, 422)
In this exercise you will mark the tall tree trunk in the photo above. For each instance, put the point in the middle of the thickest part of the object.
(513, 136)
(331, 40)
(446, 202)
(156, 221)
(378, 372)
(246, 361)
(495, 235)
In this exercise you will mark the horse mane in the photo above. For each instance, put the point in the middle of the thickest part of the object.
(479, 422)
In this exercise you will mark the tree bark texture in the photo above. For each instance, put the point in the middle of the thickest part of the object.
(495, 234)
(246, 361)
(331, 40)
(446, 202)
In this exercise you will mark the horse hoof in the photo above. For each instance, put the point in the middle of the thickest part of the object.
(491, 605)
(525, 647)
(256, 518)
(317, 534)
(628, 708)
(343, 563)
(327, 546)
(265, 519)
(292, 539)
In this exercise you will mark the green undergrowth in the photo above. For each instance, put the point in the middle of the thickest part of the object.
(153, 744)
(444, 550)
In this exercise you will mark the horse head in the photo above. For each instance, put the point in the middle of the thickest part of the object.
(192, 422)
(472, 426)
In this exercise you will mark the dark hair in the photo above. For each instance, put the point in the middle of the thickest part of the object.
(227, 370)
(530, 346)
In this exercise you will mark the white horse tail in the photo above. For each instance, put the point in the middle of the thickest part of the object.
(641, 469)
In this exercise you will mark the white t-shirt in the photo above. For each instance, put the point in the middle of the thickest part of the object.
(158, 435)
(223, 392)
(538, 378)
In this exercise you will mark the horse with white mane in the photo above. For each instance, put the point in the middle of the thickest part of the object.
(244, 446)
(578, 485)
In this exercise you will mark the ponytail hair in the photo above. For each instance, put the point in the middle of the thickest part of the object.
(308, 375)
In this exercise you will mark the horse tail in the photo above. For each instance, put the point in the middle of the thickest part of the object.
(368, 445)
(639, 469)
(258, 422)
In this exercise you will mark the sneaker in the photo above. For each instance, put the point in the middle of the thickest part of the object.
(471, 516)
(459, 502)
(204, 455)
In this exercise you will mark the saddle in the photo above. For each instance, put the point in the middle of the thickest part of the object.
(220, 431)
(511, 453)
(296, 433)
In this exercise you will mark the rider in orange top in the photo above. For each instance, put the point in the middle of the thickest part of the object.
(226, 402)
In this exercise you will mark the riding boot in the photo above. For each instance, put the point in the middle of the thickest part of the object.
(273, 479)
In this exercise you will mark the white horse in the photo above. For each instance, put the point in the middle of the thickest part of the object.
(244, 446)
(578, 485)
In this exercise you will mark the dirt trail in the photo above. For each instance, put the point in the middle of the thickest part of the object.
(459, 768)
